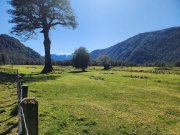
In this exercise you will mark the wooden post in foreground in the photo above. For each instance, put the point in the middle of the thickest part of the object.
(30, 116)
(24, 94)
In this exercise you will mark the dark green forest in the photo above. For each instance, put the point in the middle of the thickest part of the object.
(12, 51)
(162, 46)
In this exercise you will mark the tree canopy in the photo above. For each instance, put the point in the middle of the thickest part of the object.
(81, 58)
(32, 16)
(105, 61)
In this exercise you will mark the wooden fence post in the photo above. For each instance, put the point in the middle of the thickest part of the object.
(19, 100)
(30, 116)
(19, 88)
(24, 92)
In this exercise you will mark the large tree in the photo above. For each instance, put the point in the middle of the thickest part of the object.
(32, 16)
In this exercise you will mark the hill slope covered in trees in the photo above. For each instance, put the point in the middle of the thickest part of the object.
(14, 52)
(157, 46)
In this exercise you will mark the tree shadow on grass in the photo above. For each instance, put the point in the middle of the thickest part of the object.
(77, 72)
(7, 78)
(35, 77)
(8, 105)
(35, 73)
(8, 130)
(3, 121)
(39, 78)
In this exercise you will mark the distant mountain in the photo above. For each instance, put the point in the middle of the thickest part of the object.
(17, 53)
(60, 57)
(150, 47)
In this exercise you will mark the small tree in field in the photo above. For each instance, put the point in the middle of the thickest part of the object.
(81, 58)
(32, 16)
(105, 61)
(177, 64)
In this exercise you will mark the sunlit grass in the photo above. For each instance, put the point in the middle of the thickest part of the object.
(117, 101)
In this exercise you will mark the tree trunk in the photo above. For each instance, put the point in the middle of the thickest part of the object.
(48, 65)
(83, 70)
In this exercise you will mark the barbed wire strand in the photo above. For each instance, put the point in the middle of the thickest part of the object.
(27, 133)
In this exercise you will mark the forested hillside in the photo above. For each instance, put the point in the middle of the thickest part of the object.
(157, 46)
(12, 51)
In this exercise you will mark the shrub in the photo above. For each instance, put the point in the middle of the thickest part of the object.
(177, 64)
(81, 58)
(105, 61)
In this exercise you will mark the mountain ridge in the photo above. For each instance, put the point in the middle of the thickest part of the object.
(147, 47)
(17, 53)
(56, 57)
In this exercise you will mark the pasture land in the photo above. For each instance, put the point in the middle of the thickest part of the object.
(120, 101)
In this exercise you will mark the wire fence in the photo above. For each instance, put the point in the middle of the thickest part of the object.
(27, 108)
(24, 120)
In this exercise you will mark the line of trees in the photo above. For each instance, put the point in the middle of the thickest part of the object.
(6, 60)
(81, 59)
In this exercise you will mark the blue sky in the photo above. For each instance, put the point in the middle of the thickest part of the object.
(103, 23)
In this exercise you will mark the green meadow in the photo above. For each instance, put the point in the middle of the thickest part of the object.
(119, 101)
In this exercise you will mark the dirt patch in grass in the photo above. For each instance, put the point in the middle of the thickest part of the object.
(137, 77)
(96, 78)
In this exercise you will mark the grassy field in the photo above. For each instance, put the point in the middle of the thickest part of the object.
(120, 101)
